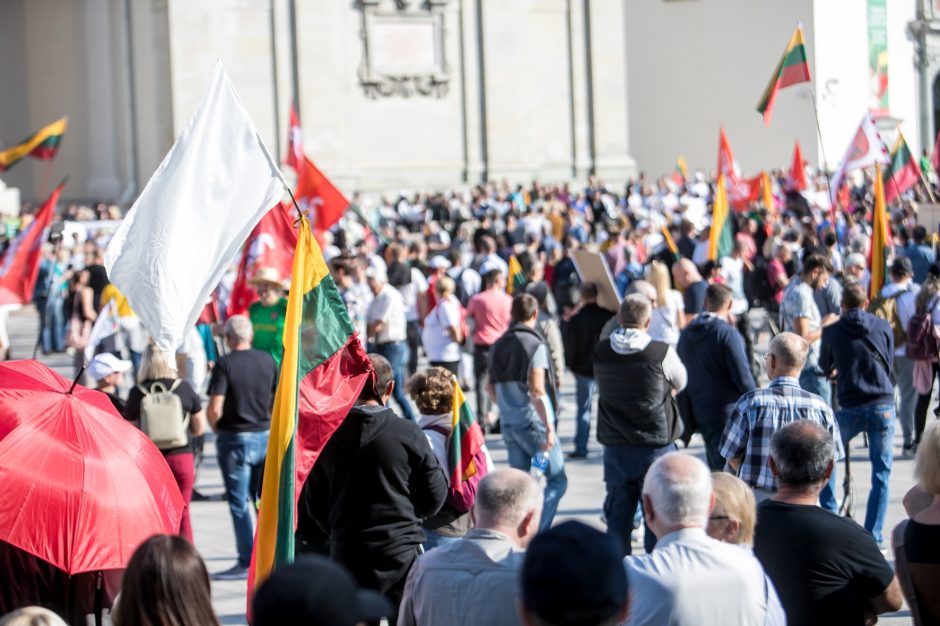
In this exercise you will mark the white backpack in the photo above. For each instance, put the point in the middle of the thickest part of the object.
(162, 417)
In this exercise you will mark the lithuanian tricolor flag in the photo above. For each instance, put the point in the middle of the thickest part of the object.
(322, 372)
(516, 282)
(43, 145)
(721, 237)
(767, 189)
(466, 440)
(902, 172)
(680, 173)
(670, 242)
(791, 69)
(880, 238)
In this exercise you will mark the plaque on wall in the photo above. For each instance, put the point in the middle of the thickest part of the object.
(403, 49)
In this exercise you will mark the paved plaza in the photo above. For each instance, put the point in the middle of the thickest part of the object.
(583, 501)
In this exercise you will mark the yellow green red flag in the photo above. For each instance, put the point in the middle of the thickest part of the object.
(323, 369)
(720, 238)
(43, 145)
(516, 282)
(880, 238)
(792, 68)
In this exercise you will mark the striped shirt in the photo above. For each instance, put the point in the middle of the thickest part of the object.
(761, 413)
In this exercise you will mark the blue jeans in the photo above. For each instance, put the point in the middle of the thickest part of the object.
(241, 459)
(584, 399)
(397, 355)
(624, 471)
(813, 380)
(524, 441)
(53, 330)
(878, 421)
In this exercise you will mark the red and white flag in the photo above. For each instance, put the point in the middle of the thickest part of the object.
(865, 150)
(19, 266)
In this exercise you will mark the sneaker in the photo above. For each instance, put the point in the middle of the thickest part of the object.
(236, 572)
(907, 452)
(574, 456)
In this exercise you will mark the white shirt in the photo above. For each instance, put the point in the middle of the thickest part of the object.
(692, 579)
(437, 342)
(389, 308)
(664, 322)
(700, 253)
(733, 272)
(906, 305)
(197, 365)
(410, 293)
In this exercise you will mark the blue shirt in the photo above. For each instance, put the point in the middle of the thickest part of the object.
(921, 258)
(515, 406)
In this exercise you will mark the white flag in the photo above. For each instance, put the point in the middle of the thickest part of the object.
(866, 149)
(213, 186)
(106, 324)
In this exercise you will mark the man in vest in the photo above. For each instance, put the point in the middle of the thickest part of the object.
(637, 418)
(522, 382)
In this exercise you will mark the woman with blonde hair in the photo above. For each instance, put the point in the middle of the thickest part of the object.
(32, 616)
(735, 514)
(667, 319)
(443, 335)
(433, 393)
(158, 376)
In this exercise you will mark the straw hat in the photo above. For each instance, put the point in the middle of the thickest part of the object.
(267, 275)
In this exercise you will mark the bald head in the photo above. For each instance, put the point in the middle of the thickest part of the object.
(504, 498)
(679, 488)
(685, 273)
(787, 353)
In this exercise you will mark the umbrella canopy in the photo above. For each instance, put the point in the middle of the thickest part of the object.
(82, 487)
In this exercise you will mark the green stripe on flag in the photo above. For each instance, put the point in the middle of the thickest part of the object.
(284, 545)
(794, 56)
(319, 340)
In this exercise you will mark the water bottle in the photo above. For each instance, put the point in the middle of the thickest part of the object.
(538, 466)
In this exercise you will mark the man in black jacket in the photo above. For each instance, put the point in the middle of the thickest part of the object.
(581, 335)
(637, 417)
(712, 351)
(370, 489)
(859, 351)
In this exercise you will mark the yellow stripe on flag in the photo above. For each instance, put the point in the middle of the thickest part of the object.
(670, 242)
(719, 217)
(15, 153)
(879, 237)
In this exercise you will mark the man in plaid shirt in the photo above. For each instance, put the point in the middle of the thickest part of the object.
(745, 443)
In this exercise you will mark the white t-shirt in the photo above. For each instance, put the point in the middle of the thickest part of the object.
(197, 366)
(389, 308)
(664, 321)
(733, 272)
(410, 293)
(437, 342)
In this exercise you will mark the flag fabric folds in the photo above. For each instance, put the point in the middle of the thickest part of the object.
(43, 145)
(270, 244)
(721, 237)
(466, 440)
(880, 238)
(212, 188)
(106, 325)
(902, 172)
(767, 188)
(516, 281)
(792, 68)
(865, 150)
(317, 195)
(323, 370)
(797, 170)
(19, 266)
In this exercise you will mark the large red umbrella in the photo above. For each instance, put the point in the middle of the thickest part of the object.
(81, 487)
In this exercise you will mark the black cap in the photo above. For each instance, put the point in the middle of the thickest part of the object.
(901, 266)
(315, 590)
(574, 575)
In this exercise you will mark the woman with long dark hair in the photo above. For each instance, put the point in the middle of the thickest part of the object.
(165, 584)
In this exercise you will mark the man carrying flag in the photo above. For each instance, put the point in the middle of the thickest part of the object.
(865, 150)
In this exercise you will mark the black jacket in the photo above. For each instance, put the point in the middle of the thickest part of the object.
(367, 495)
(581, 335)
(860, 347)
(512, 353)
(719, 372)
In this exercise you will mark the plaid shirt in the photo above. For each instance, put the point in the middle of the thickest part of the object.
(761, 413)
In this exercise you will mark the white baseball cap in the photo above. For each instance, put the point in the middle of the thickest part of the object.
(105, 364)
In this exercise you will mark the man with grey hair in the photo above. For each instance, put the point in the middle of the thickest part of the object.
(691, 578)
(827, 568)
(637, 418)
(387, 330)
(241, 393)
(484, 565)
(745, 442)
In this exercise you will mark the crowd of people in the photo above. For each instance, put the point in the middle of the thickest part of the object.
(484, 289)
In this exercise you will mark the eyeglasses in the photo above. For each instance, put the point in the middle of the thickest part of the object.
(718, 517)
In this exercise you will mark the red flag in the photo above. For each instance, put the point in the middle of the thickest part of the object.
(754, 187)
(270, 244)
(738, 189)
(295, 142)
(316, 194)
(20, 264)
(797, 170)
(935, 157)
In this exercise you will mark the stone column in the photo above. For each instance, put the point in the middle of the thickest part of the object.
(608, 53)
(470, 30)
(104, 181)
(582, 153)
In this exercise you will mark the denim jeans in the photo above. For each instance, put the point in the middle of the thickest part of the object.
(397, 355)
(53, 329)
(524, 441)
(624, 470)
(878, 421)
(241, 459)
(813, 380)
(435, 540)
(907, 396)
(584, 399)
